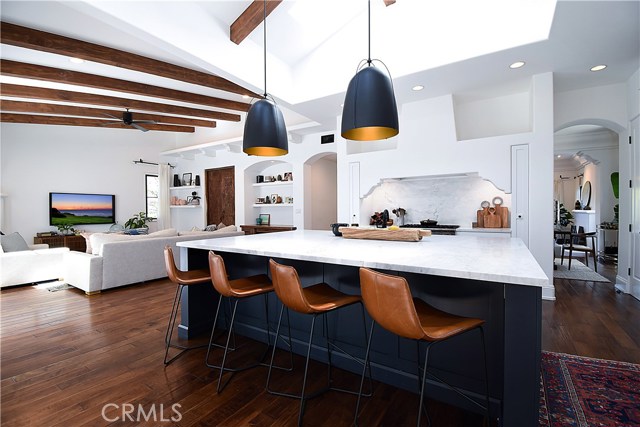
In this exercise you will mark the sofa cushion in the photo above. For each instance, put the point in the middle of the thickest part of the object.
(194, 233)
(169, 232)
(99, 239)
(227, 229)
(13, 242)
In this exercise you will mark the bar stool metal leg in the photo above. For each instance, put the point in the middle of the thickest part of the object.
(424, 376)
(366, 364)
(306, 370)
(170, 327)
(226, 347)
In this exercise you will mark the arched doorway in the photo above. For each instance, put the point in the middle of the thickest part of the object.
(321, 191)
(587, 151)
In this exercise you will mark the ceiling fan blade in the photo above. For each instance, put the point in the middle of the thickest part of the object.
(139, 127)
(112, 116)
(111, 123)
(151, 122)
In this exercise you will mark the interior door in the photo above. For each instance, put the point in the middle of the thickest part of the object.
(220, 190)
(635, 208)
(520, 192)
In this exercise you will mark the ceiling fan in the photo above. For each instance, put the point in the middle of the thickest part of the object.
(127, 119)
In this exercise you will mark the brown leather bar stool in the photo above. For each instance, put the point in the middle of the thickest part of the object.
(389, 302)
(182, 279)
(315, 300)
(235, 290)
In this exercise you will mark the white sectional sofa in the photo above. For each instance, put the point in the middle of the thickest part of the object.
(121, 260)
(38, 264)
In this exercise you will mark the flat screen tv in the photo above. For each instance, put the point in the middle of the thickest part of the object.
(77, 209)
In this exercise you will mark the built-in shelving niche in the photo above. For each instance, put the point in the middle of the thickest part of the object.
(280, 213)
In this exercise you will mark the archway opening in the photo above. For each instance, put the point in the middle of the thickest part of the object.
(321, 191)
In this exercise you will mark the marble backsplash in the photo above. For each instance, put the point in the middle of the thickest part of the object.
(449, 199)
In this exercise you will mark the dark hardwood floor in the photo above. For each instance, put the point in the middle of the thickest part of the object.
(592, 319)
(64, 356)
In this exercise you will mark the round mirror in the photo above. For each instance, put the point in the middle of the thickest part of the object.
(585, 195)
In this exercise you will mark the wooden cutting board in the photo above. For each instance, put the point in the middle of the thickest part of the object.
(492, 220)
(503, 213)
(480, 218)
(403, 234)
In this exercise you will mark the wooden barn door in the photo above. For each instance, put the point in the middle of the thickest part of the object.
(221, 195)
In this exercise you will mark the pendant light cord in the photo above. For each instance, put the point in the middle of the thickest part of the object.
(264, 19)
(369, 19)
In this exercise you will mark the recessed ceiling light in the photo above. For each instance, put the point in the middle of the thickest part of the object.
(559, 156)
(76, 60)
(517, 64)
(245, 97)
(417, 87)
(598, 67)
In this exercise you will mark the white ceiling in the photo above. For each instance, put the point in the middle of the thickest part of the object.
(462, 47)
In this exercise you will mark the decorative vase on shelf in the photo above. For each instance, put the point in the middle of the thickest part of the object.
(176, 180)
(197, 180)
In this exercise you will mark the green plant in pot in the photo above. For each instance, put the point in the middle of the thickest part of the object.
(137, 222)
(566, 217)
(66, 229)
(615, 185)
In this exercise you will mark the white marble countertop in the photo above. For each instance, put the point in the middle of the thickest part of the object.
(499, 259)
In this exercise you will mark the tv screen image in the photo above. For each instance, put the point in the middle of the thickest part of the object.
(77, 209)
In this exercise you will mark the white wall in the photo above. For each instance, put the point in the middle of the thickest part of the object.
(38, 159)
(504, 115)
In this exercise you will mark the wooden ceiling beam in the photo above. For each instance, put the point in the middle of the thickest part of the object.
(76, 121)
(68, 110)
(250, 19)
(28, 38)
(50, 74)
(32, 92)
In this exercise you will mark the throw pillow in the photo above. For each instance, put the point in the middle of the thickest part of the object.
(221, 225)
(87, 240)
(211, 227)
(13, 242)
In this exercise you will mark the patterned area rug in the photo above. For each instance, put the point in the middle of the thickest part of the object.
(584, 392)
(578, 271)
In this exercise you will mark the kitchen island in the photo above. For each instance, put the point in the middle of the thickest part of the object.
(496, 279)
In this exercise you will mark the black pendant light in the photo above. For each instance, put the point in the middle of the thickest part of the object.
(265, 133)
(370, 112)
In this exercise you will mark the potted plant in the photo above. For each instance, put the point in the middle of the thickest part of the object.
(137, 223)
(66, 229)
(565, 216)
(615, 185)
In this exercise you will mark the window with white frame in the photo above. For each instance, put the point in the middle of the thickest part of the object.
(152, 187)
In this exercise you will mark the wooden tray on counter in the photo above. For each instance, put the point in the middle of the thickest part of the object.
(402, 235)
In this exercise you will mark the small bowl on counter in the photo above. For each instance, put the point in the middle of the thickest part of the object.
(336, 226)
